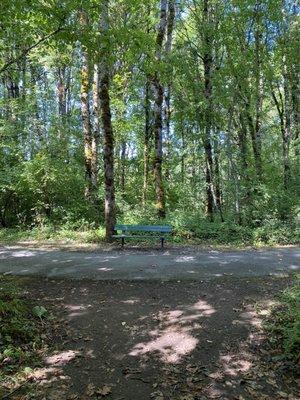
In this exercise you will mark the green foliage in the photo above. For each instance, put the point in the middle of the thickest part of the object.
(285, 327)
(42, 167)
(16, 326)
(291, 330)
(187, 228)
(39, 311)
(277, 232)
(19, 333)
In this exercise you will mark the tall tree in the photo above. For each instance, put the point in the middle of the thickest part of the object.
(208, 68)
(85, 108)
(108, 151)
(158, 110)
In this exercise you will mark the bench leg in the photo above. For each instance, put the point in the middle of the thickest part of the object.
(162, 243)
(123, 242)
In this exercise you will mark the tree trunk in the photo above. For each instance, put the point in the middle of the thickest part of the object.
(159, 96)
(183, 150)
(85, 112)
(296, 112)
(256, 136)
(107, 129)
(207, 64)
(147, 135)
(287, 127)
(233, 172)
(218, 179)
(61, 92)
(243, 163)
(168, 48)
(285, 134)
(123, 167)
(96, 132)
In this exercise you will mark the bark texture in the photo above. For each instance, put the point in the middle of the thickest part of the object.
(147, 137)
(208, 64)
(108, 153)
(85, 112)
(158, 121)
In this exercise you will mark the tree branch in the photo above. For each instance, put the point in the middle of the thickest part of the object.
(26, 51)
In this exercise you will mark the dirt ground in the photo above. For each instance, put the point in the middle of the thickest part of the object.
(192, 340)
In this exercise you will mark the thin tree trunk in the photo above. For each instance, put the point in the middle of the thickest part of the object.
(233, 174)
(296, 112)
(107, 129)
(285, 135)
(243, 156)
(182, 153)
(61, 92)
(159, 96)
(85, 112)
(256, 150)
(147, 135)
(207, 64)
(218, 179)
(287, 128)
(259, 91)
(96, 132)
(123, 167)
(168, 48)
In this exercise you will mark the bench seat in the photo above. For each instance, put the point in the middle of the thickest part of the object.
(151, 231)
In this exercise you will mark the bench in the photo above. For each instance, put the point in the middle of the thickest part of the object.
(132, 231)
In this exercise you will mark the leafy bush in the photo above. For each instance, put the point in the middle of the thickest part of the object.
(277, 232)
(291, 327)
(19, 334)
(187, 226)
(15, 321)
(285, 326)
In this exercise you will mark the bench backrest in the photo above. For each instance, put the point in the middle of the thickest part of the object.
(144, 228)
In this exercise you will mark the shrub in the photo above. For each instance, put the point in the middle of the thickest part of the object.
(285, 326)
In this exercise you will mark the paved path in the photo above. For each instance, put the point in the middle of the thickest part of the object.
(133, 264)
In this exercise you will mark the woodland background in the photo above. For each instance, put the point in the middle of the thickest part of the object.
(183, 112)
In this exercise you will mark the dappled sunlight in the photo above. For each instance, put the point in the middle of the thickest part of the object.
(251, 317)
(106, 259)
(255, 316)
(46, 374)
(233, 365)
(22, 253)
(130, 301)
(105, 269)
(184, 259)
(77, 310)
(174, 339)
(61, 359)
(172, 344)
(204, 307)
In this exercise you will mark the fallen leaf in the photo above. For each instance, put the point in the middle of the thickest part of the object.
(104, 391)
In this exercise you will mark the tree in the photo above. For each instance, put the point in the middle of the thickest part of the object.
(106, 124)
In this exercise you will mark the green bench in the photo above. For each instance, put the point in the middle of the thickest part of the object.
(142, 231)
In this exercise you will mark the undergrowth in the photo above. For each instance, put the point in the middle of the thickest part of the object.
(21, 333)
(284, 323)
(187, 229)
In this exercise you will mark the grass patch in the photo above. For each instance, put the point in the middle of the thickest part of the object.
(52, 234)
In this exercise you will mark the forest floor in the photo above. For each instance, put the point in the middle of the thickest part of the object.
(140, 340)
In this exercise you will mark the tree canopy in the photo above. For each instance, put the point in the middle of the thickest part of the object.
(125, 109)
